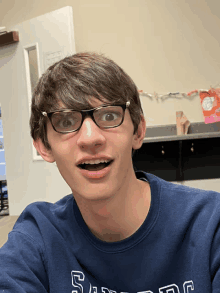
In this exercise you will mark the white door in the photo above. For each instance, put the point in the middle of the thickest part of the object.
(43, 41)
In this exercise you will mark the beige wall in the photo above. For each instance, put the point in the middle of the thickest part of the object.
(164, 45)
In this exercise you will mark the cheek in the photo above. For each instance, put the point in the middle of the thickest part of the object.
(65, 157)
(67, 169)
(63, 145)
(122, 145)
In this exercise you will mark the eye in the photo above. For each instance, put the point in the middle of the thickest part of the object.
(65, 120)
(110, 116)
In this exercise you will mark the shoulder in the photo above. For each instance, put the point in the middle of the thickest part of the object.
(46, 208)
(184, 200)
(40, 218)
(192, 194)
(178, 191)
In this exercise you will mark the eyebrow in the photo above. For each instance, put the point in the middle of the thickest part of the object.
(63, 109)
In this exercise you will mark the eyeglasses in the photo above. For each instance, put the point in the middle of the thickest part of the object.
(65, 121)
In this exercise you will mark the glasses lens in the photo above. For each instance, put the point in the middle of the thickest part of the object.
(109, 116)
(66, 121)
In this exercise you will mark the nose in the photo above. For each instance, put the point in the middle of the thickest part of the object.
(90, 135)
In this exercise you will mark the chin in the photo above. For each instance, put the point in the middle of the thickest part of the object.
(95, 194)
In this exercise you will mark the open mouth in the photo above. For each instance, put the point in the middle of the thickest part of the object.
(94, 167)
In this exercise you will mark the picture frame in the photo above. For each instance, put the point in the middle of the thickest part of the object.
(33, 73)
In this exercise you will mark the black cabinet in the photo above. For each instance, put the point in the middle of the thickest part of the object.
(201, 158)
(159, 158)
(180, 158)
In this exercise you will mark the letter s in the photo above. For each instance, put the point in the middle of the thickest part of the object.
(79, 276)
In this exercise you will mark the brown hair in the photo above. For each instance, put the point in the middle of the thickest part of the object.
(73, 81)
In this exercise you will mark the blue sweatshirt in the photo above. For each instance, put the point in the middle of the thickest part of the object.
(176, 250)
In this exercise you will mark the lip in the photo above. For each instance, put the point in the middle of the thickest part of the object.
(96, 174)
(88, 158)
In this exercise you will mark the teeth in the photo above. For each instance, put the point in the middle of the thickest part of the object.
(95, 161)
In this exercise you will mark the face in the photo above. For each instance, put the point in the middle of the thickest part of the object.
(91, 142)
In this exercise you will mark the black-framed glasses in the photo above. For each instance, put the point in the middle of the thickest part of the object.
(65, 120)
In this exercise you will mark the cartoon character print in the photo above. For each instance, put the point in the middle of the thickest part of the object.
(210, 101)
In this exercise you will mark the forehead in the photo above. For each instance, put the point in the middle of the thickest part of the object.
(92, 103)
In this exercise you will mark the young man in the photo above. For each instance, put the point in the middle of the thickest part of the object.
(119, 230)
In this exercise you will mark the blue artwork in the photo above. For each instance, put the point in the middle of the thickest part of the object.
(1, 130)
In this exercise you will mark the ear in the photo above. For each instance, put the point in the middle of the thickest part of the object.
(140, 134)
(43, 151)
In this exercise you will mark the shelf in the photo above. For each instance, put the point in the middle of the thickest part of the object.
(181, 137)
(161, 133)
(9, 38)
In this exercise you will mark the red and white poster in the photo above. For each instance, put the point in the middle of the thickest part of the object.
(210, 101)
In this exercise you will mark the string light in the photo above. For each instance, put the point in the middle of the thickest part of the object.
(170, 95)
(176, 95)
(210, 101)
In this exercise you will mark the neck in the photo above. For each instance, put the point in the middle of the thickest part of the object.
(121, 215)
